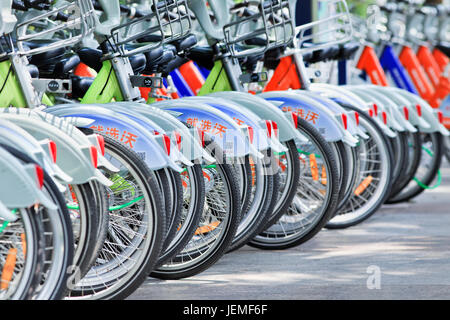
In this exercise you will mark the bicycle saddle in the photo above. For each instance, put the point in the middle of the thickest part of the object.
(44, 58)
(80, 85)
(167, 54)
(203, 56)
(348, 50)
(184, 43)
(92, 58)
(323, 54)
(61, 68)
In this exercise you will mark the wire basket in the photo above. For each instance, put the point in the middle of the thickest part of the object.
(79, 21)
(168, 21)
(333, 27)
(259, 26)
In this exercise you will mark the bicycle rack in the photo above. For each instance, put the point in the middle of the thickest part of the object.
(168, 22)
(265, 24)
(79, 23)
(334, 28)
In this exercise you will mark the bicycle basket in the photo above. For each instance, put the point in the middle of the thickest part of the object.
(56, 32)
(334, 26)
(168, 21)
(258, 26)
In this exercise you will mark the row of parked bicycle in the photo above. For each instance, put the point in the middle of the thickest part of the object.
(149, 138)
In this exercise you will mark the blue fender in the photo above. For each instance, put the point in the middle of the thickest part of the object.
(338, 110)
(261, 140)
(121, 128)
(266, 111)
(222, 128)
(190, 140)
(312, 111)
(344, 95)
(150, 125)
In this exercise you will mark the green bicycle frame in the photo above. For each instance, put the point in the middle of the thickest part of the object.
(105, 88)
(217, 80)
(11, 94)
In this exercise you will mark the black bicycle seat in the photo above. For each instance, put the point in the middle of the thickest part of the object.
(61, 68)
(185, 43)
(92, 58)
(168, 54)
(203, 56)
(348, 50)
(323, 54)
(80, 85)
(48, 57)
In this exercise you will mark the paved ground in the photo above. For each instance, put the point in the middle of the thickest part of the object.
(404, 250)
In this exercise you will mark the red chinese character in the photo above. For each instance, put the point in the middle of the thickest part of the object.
(192, 121)
(219, 129)
(113, 132)
(239, 121)
(128, 138)
(312, 117)
(206, 125)
(301, 113)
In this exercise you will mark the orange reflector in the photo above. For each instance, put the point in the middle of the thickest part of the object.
(324, 176)
(207, 176)
(281, 165)
(314, 168)
(208, 228)
(253, 168)
(363, 186)
(375, 109)
(23, 239)
(8, 268)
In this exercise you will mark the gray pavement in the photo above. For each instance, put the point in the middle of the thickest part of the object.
(402, 252)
